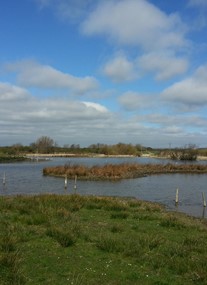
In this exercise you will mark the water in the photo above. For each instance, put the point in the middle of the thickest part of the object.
(26, 178)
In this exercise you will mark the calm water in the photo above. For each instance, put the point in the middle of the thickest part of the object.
(27, 178)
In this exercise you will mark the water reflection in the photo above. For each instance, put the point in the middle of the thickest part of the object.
(27, 178)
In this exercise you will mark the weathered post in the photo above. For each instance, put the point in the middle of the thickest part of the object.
(4, 179)
(66, 181)
(177, 197)
(75, 184)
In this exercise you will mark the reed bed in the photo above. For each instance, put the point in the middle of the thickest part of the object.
(121, 171)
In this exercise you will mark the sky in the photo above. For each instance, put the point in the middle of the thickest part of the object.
(104, 71)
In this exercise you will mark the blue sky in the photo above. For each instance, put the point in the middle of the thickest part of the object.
(104, 71)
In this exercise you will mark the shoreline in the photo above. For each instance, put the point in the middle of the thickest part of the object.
(48, 156)
(75, 155)
(36, 155)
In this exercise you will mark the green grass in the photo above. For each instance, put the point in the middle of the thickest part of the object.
(54, 239)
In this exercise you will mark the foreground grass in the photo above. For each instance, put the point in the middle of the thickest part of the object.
(72, 239)
(121, 171)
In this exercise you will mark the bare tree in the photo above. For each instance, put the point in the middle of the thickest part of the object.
(44, 144)
(188, 152)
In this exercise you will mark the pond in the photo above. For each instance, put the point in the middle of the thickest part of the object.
(26, 178)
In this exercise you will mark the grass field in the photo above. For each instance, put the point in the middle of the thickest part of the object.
(54, 239)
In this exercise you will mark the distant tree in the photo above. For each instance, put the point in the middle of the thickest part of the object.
(16, 148)
(74, 146)
(188, 152)
(17, 145)
(122, 148)
(44, 144)
(66, 146)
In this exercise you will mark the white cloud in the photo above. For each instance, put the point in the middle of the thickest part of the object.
(23, 115)
(48, 110)
(191, 91)
(33, 74)
(96, 107)
(24, 118)
(9, 93)
(165, 66)
(136, 22)
(131, 22)
(140, 24)
(119, 69)
(182, 128)
(132, 101)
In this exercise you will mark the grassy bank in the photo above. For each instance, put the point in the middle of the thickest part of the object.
(121, 171)
(11, 158)
(78, 240)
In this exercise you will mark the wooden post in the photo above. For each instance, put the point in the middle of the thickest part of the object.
(75, 185)
(177, 197)
(66, 181)
(204, 199)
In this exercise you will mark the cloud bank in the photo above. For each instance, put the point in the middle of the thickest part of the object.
(143, 59)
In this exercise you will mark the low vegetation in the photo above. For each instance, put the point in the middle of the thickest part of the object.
(53, 239)
(121, 171)
(11, 158)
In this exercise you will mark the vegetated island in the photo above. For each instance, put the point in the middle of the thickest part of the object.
(73, 239)
(121, 171)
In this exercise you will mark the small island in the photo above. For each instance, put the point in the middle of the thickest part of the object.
(121, 171)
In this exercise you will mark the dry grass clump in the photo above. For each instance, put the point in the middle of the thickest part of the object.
(121, 171)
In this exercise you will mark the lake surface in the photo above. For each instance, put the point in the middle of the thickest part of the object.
(26, 178)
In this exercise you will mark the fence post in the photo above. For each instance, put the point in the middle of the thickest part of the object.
(75, 185)
(177, 197)
(66, 181)
(4, 179)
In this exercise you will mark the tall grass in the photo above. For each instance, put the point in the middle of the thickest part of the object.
(10, 257)
(103, 241)
(64, 237)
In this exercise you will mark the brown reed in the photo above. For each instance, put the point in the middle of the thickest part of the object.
(121, 171)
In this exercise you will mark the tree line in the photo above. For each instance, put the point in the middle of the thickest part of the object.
(45, 144)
